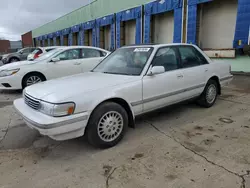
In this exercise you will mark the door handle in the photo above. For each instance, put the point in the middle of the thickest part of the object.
(77, 63)
(179, 76)
(206, 70)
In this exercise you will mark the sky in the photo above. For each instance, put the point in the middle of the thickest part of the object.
(20, 16)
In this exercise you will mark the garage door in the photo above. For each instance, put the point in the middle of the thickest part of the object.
(57, 41)
(163, 27)
(217, 24)
(75, 38)
(130, 29)
(107, 37)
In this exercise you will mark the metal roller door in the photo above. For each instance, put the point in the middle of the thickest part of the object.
(45, 43)
(74, 35)
(66, 40)
(129, 32)
(163, 21)
(105, 37)
(57, 41)
(216, 23)
(90, 33)
(89, 29)
(163, 27)
(75, 39)
(129, 27)
(105, 32)
(86, 38)
(50, 42)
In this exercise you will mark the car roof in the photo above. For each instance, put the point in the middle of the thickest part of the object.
(157, 45)
(70, 47)
(49, 47)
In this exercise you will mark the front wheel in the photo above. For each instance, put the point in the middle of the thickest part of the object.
(107, 125)
(32, 78)
(209, 95)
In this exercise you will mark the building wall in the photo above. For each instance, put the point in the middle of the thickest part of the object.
(96, 9)
(27, 39)
(4, 46)
(14, 45)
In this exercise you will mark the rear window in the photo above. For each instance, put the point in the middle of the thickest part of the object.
(37, 50)
(47, 50)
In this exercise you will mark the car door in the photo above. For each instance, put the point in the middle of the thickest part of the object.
(166, 88)
(194, 68)
(24, 53)
(67, 64)
(90, 58)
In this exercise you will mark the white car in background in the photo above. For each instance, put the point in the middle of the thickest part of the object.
(131, 81)
(39, 51)
(60, 62)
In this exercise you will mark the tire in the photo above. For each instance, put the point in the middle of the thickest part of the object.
(13, 59)
(205, 100)
(36, 77)
(101, 124)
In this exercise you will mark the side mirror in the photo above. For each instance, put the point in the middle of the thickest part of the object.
(156, 70)
(55, 59)
(21, 52)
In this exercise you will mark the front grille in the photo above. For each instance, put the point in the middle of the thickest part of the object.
(31, 102)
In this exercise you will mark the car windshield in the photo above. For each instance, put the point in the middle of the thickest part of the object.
(125, 61)
(48, 54)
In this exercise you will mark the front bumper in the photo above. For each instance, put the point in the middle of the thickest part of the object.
(12, 82)
(57, 128)
(4, 60)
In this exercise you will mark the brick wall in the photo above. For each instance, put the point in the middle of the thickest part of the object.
(27, 39)
(4, 46)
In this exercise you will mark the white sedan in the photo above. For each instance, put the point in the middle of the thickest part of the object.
(131, 81)
(60, 62)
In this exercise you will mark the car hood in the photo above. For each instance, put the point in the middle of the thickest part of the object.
(58, 90)
(16, 65)
(6, 55)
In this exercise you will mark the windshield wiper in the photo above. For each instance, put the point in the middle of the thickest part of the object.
(118, 73)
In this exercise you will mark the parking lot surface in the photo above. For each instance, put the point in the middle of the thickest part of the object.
(179, 146)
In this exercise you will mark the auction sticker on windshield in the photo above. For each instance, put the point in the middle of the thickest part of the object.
(141, 49)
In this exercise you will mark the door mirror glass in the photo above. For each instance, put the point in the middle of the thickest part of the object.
(156, 70)
(55, 59)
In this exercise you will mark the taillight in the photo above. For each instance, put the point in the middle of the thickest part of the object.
(37, 55)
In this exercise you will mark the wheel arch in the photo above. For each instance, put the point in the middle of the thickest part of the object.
(216, 78)
(124, 104)
(16, 57)
(33, 72)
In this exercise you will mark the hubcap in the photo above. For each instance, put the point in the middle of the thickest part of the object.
(13, 60)
(33, 80)
(211, 93)
(110, 126)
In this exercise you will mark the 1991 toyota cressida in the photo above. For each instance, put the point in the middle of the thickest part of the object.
(133, 80)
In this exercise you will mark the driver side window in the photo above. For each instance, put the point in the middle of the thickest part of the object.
(69, 55)
(25, 50)
(167, 58)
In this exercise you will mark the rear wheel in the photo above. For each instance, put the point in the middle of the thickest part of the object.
(32, 78)
(14, 59)
(209, 95)
(107, 125)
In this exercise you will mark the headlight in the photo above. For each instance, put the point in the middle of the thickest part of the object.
(4, 73)
(57, 110)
